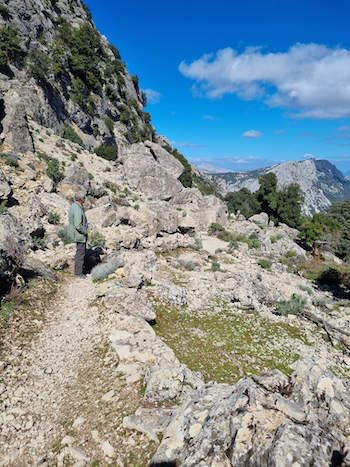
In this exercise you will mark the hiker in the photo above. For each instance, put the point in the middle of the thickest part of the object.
(77, 230)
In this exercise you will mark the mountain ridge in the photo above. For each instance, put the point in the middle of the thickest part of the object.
(320, 181)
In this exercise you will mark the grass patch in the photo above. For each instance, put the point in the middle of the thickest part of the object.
(223, 345)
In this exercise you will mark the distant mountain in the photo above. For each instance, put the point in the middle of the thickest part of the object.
(320, 181)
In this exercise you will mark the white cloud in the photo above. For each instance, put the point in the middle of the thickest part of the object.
(279, 132)
(252, 134)
(153, 97)
(209, 117)
(312, 79)
(344, 128)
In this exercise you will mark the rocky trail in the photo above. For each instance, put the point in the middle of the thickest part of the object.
(58, 393)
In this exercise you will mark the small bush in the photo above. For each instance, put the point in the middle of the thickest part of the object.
(53, 218)
(3, 207)
(233, 244)
(110, 153)
(63, 235)
(110, 185)
(39, 64)
(265, 264)
(73, 157)
(5, 12)
(102, 271)
(306, 289)
(189, 265)
(109, 124)
(6, 309)
(136, 206)
(10, 159)
(253, 241)
(291, 254)
(9, 45)
(53, 170)
(198, 244)
(96, 239)
(215, 266)
(39, 243)
(294, 306)
(71, 135)
(276, 238)
(220, 232)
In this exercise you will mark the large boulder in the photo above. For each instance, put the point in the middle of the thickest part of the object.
(152, 170)
(76, 179)
(14, 241)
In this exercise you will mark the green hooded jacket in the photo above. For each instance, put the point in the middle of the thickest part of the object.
(77, 224)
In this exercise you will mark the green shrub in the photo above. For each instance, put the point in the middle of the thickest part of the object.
(6, 309)
(276, 238)
(110, 153)
(233, 244)
(96, 239)
(9, 45)
(125, 116)
(306, 289)
(71, 135)
(39, 243)
(5, 12)
(294, 306)
(189, 265)
(265, 264)
(291, 254)
(53, 218)
(109, 124)
(220, 232)
(79, 92)
(215, 266)
(90, 175)
(253, 241)
(10, 159)
(53, 170)
(39, 64)
(3, 207)
(110, 185)
(73, 157)
(198, 244)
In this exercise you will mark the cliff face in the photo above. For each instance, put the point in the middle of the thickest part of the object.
(56, 68)
(320, 181)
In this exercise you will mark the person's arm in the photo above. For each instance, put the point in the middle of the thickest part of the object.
(78, 221)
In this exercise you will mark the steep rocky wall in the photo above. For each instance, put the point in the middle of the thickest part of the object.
(47, 78)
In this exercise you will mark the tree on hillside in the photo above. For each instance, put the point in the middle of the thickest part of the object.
(289, 205)
(340, 212)
(319, 229)
(243, 201)
(267, 195)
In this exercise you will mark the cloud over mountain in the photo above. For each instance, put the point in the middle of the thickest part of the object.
(311, 79)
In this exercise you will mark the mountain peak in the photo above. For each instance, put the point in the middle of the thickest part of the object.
(320, 181)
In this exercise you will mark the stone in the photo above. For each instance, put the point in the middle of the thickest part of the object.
(108, 449)
(78, 422)
(149, 422)
(109, 396)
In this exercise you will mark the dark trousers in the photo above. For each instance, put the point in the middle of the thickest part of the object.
(79, 259)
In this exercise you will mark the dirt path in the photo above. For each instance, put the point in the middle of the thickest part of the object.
(62, 402)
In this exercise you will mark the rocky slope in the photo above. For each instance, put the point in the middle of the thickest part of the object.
(179, 356)
(320, 181)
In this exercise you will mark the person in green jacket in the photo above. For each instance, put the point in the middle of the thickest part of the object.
(77, 231)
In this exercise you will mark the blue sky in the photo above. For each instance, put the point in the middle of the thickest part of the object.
(240, 85)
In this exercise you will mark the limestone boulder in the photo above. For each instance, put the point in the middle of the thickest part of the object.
(76, 179)
(152, 170)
